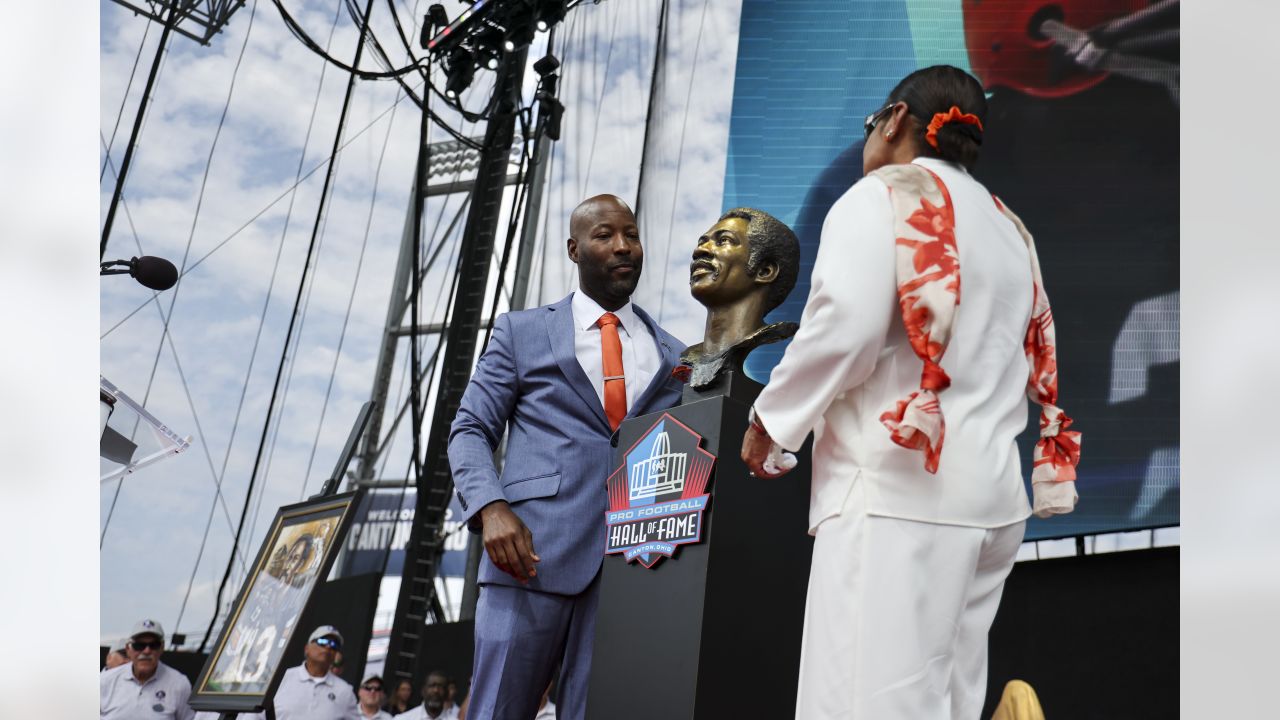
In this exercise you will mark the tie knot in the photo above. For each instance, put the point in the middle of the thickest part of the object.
(607, 319)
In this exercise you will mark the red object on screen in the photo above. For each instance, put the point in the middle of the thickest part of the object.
(1006, 50)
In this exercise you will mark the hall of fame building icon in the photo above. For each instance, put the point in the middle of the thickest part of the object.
(656, 497)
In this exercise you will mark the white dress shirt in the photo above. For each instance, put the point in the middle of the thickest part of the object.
(165, 694)
(640, 358)
(850, 362)
(303, 697)
(420, 713)
(548, 712)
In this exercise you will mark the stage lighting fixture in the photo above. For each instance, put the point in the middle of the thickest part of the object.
(554, 111)
(549, 13)
(517, 36)
(550, 110)
(439, 18)
(546, 65)
(462, 69)
(435, 20)
(153, 272)
(488, 47)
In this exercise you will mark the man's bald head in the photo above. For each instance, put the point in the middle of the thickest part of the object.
(604, 242)
(589, 210)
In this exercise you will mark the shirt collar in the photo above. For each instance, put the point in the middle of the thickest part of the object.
(155, 676)
(305, 676)
(587, 311)
(939, 163)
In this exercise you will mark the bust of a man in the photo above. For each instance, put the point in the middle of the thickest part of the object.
(742, 268)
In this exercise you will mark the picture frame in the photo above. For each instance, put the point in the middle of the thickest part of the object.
(244, 668)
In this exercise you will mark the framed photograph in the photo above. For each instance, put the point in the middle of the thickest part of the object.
(244, 670)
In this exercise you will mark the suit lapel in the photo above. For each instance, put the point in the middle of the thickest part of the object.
(560, 328)
(668, 358)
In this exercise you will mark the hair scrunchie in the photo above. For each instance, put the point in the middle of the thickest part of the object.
(950, 116)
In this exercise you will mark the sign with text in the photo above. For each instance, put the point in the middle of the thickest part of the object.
(656, 497)
(381, 528)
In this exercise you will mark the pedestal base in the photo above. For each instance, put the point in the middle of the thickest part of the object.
(714, 632)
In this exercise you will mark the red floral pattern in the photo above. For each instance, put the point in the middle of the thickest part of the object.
(928, 275)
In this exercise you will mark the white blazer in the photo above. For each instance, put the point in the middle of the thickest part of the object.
(850, 362)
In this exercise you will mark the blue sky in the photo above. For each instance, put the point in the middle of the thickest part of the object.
(154, 535)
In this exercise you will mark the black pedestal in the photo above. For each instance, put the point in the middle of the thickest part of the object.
(713, 632)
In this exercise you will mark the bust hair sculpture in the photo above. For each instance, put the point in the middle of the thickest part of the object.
(742, 268)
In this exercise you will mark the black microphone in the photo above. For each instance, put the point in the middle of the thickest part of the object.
(153, 272)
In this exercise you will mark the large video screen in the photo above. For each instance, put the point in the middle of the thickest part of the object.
(1081, 142)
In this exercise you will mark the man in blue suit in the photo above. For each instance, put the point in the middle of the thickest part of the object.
(561, 378)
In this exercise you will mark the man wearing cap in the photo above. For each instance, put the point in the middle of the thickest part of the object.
(309, 691)
(371, 694)
(145, 687)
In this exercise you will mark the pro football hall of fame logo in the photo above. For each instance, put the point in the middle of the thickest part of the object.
(656, 496)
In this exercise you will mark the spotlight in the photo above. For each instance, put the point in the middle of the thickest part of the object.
(488, 47)
(153, 272)
(461, 71)
(546, 65)
(517, 37)
(548, 13)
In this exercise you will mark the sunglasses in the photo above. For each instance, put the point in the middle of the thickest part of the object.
(325, 642)
(870, 123)
(140, 646)
(372, 688)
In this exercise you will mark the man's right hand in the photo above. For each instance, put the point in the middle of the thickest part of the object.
(508, 541)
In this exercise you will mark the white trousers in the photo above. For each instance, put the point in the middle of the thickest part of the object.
(897, 616)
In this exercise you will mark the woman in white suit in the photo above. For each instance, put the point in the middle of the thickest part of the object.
(915, 399)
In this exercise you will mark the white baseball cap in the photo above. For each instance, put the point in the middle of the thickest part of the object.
(323, 631)
(147, 627)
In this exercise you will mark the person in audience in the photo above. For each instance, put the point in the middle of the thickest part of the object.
(399, 703)
(144, 687)
(371, 695)
(434, 688)
(451, 696)
(310, 691)
(117, 655)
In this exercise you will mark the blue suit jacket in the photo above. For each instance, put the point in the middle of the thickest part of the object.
(558, 453)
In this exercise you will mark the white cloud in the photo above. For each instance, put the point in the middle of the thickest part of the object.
(158, 523)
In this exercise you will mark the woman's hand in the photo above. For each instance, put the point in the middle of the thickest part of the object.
(757, 447)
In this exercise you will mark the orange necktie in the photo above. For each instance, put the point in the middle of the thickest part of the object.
(615, 385)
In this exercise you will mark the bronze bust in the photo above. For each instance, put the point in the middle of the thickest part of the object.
(742, 268)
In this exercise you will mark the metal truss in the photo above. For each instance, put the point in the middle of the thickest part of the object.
(199, 20)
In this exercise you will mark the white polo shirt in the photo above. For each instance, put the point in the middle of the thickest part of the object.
(420, 713)
(164, 695)
(302, 697)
